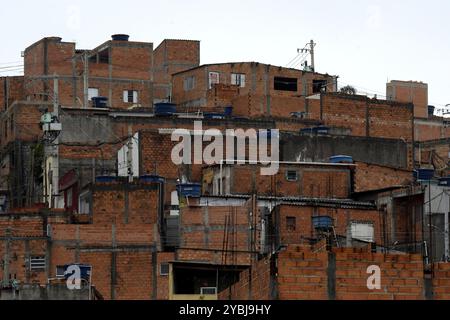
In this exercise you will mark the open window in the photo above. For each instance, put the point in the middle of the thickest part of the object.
(285, 84)
(319, 86)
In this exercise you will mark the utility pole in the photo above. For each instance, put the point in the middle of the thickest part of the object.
(86, 80)
(313, 65)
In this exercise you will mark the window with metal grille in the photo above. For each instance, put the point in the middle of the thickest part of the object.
(164, 269)
(291, 175)
(37, 263)
(291, 223)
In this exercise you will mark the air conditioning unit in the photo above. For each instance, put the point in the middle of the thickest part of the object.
(208, 291)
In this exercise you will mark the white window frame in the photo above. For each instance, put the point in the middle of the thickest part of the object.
(238, 79)
(92, 93)
(126, 96)
(363, 231)
(60, 275)
(211, 81)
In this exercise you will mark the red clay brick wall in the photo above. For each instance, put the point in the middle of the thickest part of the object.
(410, 92)
(441, 281)
(11, 89)
(401, 276)
(253, 284)
(304, 227)
(205, 228)
(373, 177)
(313, 181)
(302, 274)
(366, 117)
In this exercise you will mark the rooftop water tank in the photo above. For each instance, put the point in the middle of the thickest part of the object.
(214, 116)
(120, 37)
(424, 174)
(228, 111)
(100, 102)
(444, 182)
(165, 109)
(431, 110)
(152, 179)
(193, 190)
(105, 179)
(341, 159)
(322, 222)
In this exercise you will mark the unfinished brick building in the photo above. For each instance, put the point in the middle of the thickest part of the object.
(110, 198)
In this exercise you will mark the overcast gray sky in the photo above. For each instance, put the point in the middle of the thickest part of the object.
(364, 42)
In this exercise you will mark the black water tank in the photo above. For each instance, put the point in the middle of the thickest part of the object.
(100, 102)
(120, 37)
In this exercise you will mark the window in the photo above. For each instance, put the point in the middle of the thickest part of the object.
(363, 231)
(92, 93)
(238, 79)
(285, 84)
(189, 83)
(60, 272)
(214, 78)
(84, 205)
(291, 223)
(208, 291)
(37, 263)
(164, 269)
(319, 86)
(69, 198)
(291, 175)
(130, 96)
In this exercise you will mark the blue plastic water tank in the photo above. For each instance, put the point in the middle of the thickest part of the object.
(120, 37)
(444, 182)
(424, 174)
(193, 190)
(165, 109)
(105, 179)
(152, 179)
(431, 110)
(322, 222)
(341, 159)
(228, 111)
(100, 102)
(214, 116)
